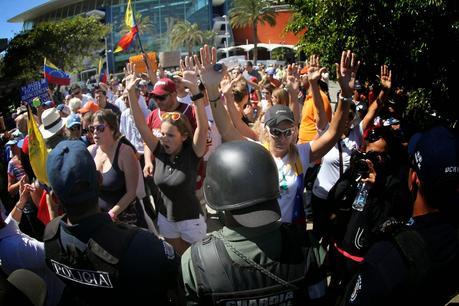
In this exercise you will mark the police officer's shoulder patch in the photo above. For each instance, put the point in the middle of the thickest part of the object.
(357, 288)
(168, 250)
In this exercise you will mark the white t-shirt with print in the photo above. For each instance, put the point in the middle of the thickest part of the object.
(329, 170)
(288, 180)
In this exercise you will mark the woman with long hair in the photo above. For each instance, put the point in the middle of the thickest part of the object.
(177, 154)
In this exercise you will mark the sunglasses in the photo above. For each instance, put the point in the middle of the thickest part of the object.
(99, 128)
(161, 98)
(171, 115)
(277, 133)
(265, 92)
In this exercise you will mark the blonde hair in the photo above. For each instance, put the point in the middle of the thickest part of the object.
(75, 104)
(281, 95)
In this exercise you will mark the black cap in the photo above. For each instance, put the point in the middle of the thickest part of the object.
(278, 113)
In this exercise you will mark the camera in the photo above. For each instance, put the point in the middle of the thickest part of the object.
(358, 162)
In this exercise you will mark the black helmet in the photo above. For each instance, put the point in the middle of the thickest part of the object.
(240, 174)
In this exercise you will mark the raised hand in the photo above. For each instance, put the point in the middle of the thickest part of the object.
(209, 76)
(386, 77)
(346, 72)
(190, 74)
(315, 71)
(131, 78)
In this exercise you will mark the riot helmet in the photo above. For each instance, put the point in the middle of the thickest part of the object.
(240, 174)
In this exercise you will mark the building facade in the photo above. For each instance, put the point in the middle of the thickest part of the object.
(155, 20)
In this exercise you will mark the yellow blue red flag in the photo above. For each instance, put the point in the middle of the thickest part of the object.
(55, 75)
(37, 149)
(125, 42)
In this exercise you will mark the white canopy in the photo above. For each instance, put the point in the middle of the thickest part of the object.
(249, 47)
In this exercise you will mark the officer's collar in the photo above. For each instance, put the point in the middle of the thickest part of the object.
(245, 233)
(87, 226)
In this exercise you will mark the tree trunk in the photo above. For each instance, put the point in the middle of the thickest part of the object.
(255, 43)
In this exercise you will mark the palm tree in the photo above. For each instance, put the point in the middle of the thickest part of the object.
(249, 13)
(186, 34)
(144, 24)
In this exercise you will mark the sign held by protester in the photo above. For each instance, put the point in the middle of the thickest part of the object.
(139, 62)
(35, 89)
(169, 59)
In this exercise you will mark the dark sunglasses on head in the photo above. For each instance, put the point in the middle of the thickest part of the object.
(161, 98)
(99, 128)
(276, 132)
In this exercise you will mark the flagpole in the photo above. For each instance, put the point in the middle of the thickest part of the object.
(138, 37)
(106, 57)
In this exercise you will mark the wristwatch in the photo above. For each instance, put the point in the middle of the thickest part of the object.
(345, 99)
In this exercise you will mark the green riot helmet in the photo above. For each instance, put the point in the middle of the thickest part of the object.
(240, 174)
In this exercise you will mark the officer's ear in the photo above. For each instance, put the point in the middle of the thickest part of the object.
(413, 180)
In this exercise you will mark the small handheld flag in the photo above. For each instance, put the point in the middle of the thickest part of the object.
(55, 75)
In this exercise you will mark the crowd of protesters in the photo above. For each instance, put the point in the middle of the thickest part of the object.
(342, 170)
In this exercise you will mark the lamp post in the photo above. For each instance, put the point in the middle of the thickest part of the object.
(226, 36)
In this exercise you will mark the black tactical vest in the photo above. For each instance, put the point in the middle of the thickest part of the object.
(223, 282)
(92, 276)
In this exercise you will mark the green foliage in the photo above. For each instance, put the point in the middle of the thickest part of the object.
(144, 24)
(417, 38)
(249, 13)
(186, 34)
(65, 43)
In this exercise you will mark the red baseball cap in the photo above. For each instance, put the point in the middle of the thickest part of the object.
(163, 87)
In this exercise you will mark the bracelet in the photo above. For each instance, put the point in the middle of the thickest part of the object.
(197, 96)
(20, 209)
(214, 100)
(345, 99)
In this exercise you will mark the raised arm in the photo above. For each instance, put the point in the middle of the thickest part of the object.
(314, 74)
(243, 129)
(131, 82)
(190, 80)
(293, 89)
(386, 85)
(151, 73)
(211, 80)
(346, 72)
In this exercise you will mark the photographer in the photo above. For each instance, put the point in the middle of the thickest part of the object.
(366, 195)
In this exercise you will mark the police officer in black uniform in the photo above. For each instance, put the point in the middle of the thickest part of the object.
(254, 259)
(102, 263)
(418, 263)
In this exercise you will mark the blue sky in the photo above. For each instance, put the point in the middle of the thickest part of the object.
(9, 9)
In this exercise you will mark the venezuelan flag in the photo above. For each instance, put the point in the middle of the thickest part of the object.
(125, 42)
(54, 75)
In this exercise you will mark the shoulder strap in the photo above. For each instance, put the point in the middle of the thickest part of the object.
(94, 150)
(112, 250)
(115, 158)
(341, 166)
(52, 228)
(209, 266)
(414, 250)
